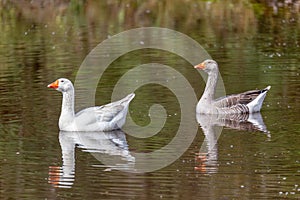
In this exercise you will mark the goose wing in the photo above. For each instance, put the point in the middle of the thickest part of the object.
(238, 99)
(105, 113)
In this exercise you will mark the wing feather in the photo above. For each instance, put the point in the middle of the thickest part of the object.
(100, 113)
(105, 113)
(235, 99)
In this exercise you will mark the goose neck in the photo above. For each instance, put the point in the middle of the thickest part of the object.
(68, 103)
(210, 87)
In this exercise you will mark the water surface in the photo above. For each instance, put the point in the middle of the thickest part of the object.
(255, 45)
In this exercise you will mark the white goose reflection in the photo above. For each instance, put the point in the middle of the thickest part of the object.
(110, 148)
(212, 125)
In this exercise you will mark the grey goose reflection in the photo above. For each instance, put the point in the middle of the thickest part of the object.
(212, 125)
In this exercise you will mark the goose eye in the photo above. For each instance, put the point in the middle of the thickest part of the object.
(62, 81)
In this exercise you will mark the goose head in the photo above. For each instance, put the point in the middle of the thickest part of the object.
(62, 85)
(209, 66)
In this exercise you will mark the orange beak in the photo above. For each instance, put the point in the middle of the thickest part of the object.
(200, 66)
(53, 85)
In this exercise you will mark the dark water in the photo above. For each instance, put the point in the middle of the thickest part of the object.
(256, 44)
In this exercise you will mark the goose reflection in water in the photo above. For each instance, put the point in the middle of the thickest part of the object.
(110, 148)
(212, 125)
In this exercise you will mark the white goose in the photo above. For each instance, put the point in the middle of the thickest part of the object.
(246, 102)
(108, 117)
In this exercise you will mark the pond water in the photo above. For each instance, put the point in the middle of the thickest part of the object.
(256, 45)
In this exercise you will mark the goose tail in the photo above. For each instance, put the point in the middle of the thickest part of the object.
(256, 104)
